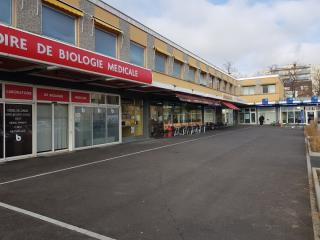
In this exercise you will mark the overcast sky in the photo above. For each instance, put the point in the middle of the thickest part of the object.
(253, 34)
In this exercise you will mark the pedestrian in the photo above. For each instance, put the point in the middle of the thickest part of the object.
(261, 120)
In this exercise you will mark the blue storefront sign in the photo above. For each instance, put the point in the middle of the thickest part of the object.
(265, 101)
(289, 100)
(314, 99)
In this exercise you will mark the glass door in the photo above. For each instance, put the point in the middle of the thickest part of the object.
(44, 127)
(52, 127)
(60, 126)
(310, 116)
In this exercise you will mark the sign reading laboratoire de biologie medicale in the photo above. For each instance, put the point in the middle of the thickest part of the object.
(18, 119)
(24, 45)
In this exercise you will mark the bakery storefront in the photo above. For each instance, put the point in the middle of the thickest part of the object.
(57, 97)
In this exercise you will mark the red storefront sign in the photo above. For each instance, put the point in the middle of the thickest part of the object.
(18, 92)
(53, 95)
(80, 97)
(21, 44)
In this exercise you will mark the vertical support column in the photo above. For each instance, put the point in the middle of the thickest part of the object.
(146, 117)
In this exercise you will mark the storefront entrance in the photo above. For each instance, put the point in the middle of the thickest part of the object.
(52, 127)
(132, 117)
(269, 114)
(156, 121)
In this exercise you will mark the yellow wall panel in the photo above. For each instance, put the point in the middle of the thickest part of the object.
(138, 36)
(203, 67)
(106, 17)
(158, 77)
(161, 46)
(178, 55)
(73, 3)
(193, 62)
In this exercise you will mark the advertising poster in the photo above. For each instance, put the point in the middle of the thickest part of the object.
(18, 123)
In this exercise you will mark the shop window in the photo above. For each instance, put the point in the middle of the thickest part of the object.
(269, 88)
(99, 126)
(136, 54)
(249, 90)
(18, 127)
(290, 117)
(284, 117)
(177, 68)
(6, 11)
(98, 98)
(105, 43)
(58, 25)
(113, 124)
(160, 62)
(242, 117)
(191, 74)
(113, 100)
(83, 126)
(132, 117)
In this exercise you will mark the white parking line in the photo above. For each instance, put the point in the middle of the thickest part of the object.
(55, 222)
(116, 157)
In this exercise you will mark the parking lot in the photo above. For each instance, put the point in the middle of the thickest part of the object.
(238, 183)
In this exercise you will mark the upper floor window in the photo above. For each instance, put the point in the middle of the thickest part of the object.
(105, 43)
(203, 80)
(136, 54)
(249, 90)
(269, 88)
(192, 74)
(177, 68)
(160, 62)
(6, 11)
(58, 25)
(211, 81)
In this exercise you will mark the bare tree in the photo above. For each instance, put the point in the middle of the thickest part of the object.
(291, 81)
(316, 81)
(229, 67)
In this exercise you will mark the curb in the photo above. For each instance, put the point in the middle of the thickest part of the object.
(313, 199)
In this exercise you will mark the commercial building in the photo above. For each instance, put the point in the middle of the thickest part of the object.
(265, 96)
(78, 74)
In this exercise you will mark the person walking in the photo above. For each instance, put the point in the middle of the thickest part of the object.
(261, 120)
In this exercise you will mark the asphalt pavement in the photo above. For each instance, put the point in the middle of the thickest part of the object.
(232, 184)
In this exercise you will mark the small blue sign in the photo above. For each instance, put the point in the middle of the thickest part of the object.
(290, 100)
(265, 101)
(314, 99)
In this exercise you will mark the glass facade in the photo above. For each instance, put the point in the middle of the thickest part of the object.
(58, 25)
(247, 116)
(6, 11)
(136, 54)
(105, 43)
(180, 114)
(292, 115)
(96, 125)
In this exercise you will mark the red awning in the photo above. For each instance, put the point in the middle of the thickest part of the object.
(230, 105)
(196, 99)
